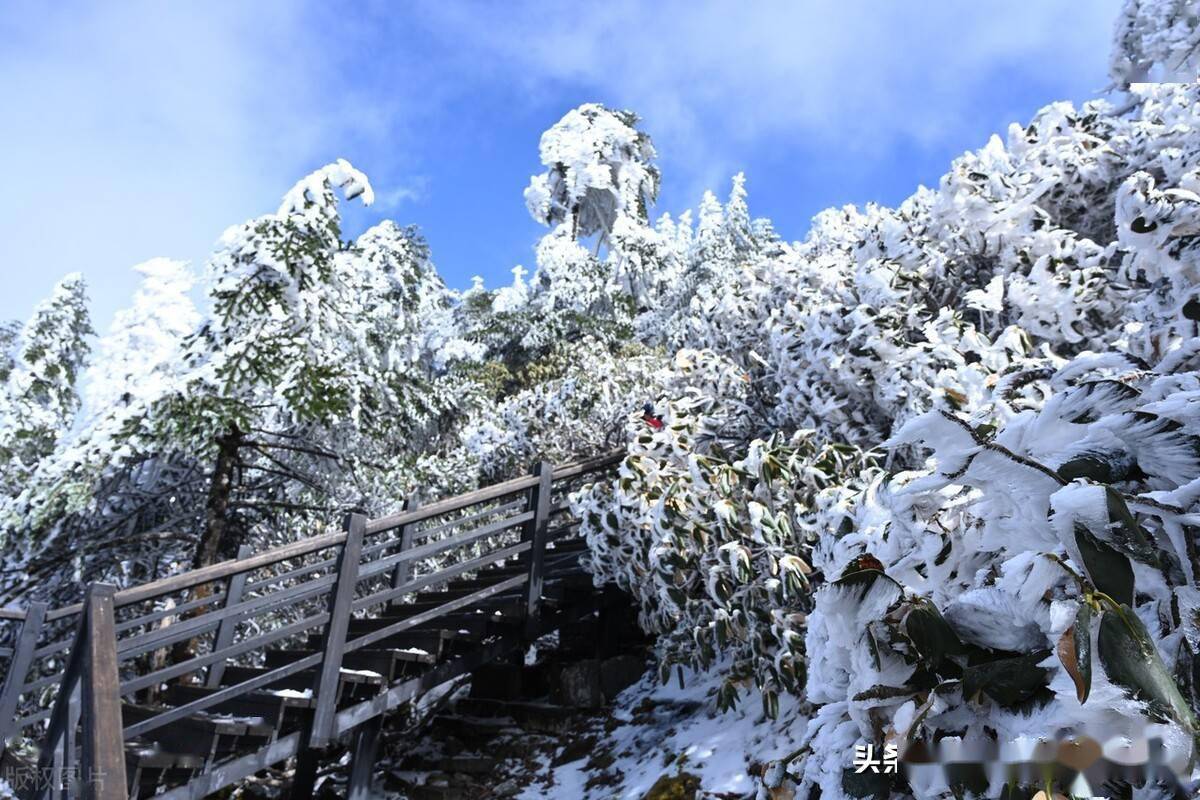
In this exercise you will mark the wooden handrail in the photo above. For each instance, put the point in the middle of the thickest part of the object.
(89, 683)
(226, 569)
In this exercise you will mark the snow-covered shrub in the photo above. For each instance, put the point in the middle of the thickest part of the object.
(1037, 578)
(1156, 40)
(713, 547)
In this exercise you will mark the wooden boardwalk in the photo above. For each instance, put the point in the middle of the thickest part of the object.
(181, 687)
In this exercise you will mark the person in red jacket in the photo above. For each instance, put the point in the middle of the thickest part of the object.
(650, 418)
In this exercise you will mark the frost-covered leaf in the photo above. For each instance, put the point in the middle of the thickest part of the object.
(1109, 569)
(1131, 660)
(931, 634)
(1075, 652)
(1008, 681)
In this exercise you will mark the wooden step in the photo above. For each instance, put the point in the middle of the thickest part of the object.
(569, 579)
(505, 604)
(147, 767)
(352, 686)
(433, 642)
(455, 591)
(463, 765)
(479, 626)
(554, 560)
(380, 662)
(539, 717)
(279, 710)
(474, 729)
(208, 736)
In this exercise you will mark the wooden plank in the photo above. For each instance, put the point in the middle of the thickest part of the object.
(290, 575)
(60, 781)
(33, 719)
(450, 542)
(504, 508)
(451, 504)
(440, 576)
(535, 533)
(60, 716)
(153, 640)
(214, 572)
(103, 761)
(54, 648)
(434, 613)
(403, 571)
(221, 696)
(362, 762)
(194, 664)
(182, 608)
(340, 601)
(574, 470)
(235, 770)
(228, 626)
(18, 668)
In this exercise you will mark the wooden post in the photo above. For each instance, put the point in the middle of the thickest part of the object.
(535, 532)
(403, 572)
(66, 779)
(228, 626)
(18, 670)
(304, 776)
(340, 601)
(362, 762)
(63, 716)
(103, 762)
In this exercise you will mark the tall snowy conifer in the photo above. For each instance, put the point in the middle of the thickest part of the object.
(272, 359)
(40, 397)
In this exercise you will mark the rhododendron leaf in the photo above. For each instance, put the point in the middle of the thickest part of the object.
(1109, 570)
(1131, 660)
(1075, 652)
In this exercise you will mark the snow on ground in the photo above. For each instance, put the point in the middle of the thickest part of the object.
(657, 730)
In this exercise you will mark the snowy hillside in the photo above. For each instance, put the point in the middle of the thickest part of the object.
(930, 475)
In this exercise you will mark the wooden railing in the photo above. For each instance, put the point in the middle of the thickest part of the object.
(70, 668)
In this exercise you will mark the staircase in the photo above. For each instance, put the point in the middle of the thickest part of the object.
(187, 685)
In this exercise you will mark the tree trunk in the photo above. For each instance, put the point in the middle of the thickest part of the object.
(216, 511)
(216, 525)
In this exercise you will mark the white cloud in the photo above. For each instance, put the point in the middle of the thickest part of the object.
(713, 77)
(135, 130)
(141, 129)
(390, 197)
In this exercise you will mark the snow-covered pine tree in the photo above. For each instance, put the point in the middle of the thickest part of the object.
(293, 349)
(599, 183)
(40, 397)
(9, 335)
(107, 489)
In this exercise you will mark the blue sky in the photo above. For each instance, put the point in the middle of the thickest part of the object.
(133, 130)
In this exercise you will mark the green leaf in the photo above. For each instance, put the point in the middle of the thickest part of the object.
(1008, 681)
(881, 692)
(1127, 535)
(1109, 570)
(1132, 661)
(873, 647)
(1096, 467)
(931, 635)
(863, 570)
(1075, 652)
